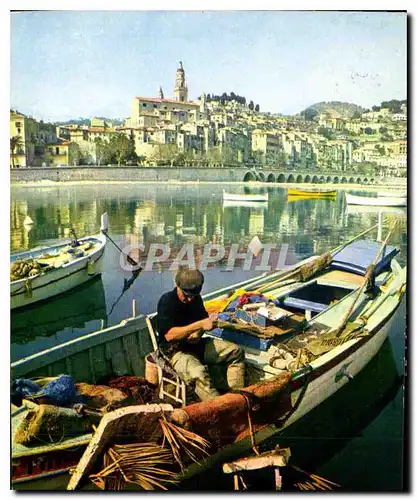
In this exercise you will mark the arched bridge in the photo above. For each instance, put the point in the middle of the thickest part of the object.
(269, 175)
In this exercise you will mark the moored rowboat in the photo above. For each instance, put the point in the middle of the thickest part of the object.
(311, 194)
(244, 197)
(42, 273)
(380, 201)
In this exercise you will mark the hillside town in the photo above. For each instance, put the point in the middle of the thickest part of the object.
(218, 131)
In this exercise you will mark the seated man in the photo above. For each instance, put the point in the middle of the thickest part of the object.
(182, 320)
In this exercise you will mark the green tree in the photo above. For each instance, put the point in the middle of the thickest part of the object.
(257, 108)
(383, 130)
(213, 155)
(74, 153)
(119, 145)
(251, 105)
(369, 131)
(131, 155)
(326, 132)
(380, 148)
(309, 114)
(102, 151)
(16, 144)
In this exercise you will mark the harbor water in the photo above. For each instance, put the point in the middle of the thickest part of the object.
(361, 450)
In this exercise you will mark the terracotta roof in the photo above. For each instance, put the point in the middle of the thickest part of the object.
(171, 101)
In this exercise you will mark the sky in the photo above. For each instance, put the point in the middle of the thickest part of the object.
(70, 64)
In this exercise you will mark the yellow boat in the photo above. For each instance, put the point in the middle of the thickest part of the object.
(311, 194)
(291, 198)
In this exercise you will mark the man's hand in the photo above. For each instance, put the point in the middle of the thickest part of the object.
(208, 324)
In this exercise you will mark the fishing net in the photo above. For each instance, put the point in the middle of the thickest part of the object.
(224, 418)
(51, 424)
(23, 269)
(328, 341)
(137, 388)
(100, 396)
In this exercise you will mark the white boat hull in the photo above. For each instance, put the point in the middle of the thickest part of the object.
(368, 209)
(244, 203)
(325, 386)
(244, 197)
(57, 281)
(383, 201)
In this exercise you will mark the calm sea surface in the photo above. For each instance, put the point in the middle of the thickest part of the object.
(360, 450)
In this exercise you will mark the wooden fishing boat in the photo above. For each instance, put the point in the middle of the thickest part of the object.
(244, 197)
(377, 201)
(371, 209)
(311, 193)
(329, 323)
(42, 273)
(243, 203)
(393, 194)
(291, 198)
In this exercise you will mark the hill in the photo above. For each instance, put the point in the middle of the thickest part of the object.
(86, 121)
(335, 109)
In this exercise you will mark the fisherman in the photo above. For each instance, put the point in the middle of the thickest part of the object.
(182, 319)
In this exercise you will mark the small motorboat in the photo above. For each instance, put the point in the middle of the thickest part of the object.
(376, 201)
(42, 273)
(244, 197)
(312, 194)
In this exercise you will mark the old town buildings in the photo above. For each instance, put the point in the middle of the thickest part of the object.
(176, 131)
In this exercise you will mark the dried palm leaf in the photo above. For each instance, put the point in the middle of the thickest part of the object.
(138, 463)
(182, 441)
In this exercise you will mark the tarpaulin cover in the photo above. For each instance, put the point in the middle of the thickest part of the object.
(357, 256)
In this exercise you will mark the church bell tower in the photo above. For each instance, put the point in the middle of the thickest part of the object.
(180, 90)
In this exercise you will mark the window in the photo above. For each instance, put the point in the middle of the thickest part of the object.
(144, 104)
(18, 130)
(18, 124)
(50, 150)
(57, 150)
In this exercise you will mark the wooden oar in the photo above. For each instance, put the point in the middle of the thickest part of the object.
(333, 252)
(368, 277)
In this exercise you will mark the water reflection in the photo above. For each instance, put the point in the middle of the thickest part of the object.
(75, 309)
(195, 214)
(176, 215)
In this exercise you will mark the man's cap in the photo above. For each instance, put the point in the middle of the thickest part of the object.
(190, 281)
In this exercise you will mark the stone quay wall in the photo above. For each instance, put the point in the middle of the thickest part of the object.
(192, 174)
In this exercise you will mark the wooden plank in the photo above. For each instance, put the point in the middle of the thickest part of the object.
(92, 362)
(105, 431)
(119, 359)
(136, 356)
(275, 458)
(102, 366)
(338, 276)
